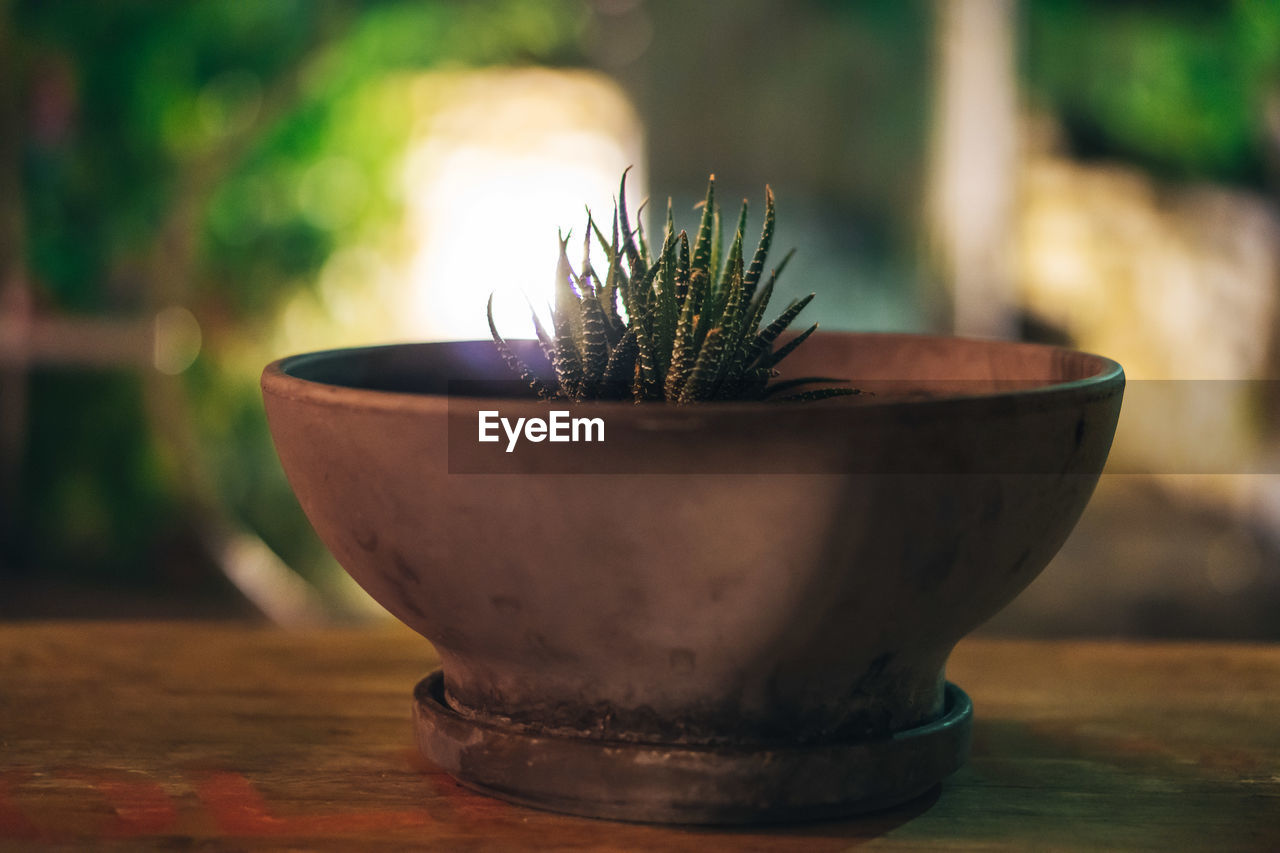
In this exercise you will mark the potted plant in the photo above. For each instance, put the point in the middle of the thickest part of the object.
(732, 608)
(693, 329)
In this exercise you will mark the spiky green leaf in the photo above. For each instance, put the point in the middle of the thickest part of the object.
(640, 239)
(702, 246)
(772, 359)
(765, 339)
(706, 368)
(752, 278)
(586, 285)
(731, 320)
(682, 269)
(651, 384)
(621, 367)
(613, 283)
(819, 394)
(751, 324)
(638, 265)
(514, 361)
(547, 345)
(737, 239)
(717, 234)
(798, 382)
(567, 359)
(720, 294)
(684, 348)
(762, 297)
(595, 348)
(667, 307)
(568, 303)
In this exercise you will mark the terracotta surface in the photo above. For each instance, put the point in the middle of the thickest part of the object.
(813, 598)
(693, 784)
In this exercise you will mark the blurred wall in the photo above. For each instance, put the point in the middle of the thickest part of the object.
(186, 190)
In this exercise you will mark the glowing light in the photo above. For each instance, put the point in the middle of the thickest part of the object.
(505, 160)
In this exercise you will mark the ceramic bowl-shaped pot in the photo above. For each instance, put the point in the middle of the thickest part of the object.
(718, 602)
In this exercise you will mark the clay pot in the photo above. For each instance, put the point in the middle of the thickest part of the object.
(763, 639)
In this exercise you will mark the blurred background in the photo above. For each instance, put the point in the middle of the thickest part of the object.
(189, 190)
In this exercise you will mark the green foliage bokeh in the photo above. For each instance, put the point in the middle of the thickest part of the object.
(215, 154)
(194, 153)
(1181, 88)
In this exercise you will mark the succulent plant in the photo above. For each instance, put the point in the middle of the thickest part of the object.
(692, 326)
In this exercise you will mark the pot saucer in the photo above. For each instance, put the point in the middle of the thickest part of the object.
(680, 783)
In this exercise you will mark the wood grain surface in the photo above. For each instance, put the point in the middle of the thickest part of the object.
(225, 737)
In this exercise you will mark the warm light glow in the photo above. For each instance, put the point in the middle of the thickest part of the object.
(504, 160)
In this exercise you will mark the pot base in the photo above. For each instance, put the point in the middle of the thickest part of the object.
(658, 783)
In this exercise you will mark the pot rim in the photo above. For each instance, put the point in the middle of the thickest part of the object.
(279, 380)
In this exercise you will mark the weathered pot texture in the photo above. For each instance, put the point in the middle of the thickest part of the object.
(756, 576)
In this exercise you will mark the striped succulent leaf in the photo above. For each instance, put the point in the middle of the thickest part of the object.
(764, 340)
(702, 247)
(639, 266)
(641, 242)
(620, 369)
(736, 249)
(683, 353)
(786, 349)
(595, 348)
(514, 361)
(752, 279)
(717, 235)
(545, 342)
(798, 382)
(566, 361)
(819, 394)
(682, 269)
(615, 280)
(731, 319)
(702, 378)
(667, 309)
(568, 304)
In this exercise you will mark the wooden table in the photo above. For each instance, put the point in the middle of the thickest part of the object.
(121, 736)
